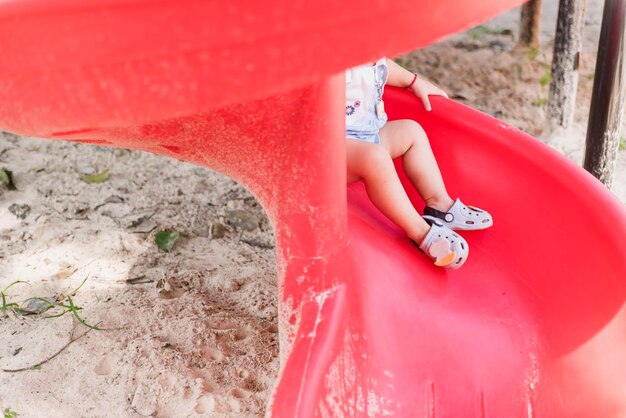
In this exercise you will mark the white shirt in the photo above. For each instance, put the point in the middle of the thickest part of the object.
(364, 89)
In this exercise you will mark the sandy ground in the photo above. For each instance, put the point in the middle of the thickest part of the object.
(193, 332)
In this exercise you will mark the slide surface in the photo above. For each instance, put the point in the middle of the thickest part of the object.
(533, 325)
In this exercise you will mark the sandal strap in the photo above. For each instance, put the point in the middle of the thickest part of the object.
(446, 216)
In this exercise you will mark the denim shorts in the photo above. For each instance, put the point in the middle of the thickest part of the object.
(371, 137)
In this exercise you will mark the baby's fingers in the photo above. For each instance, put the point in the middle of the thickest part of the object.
(439, 92)
(426, 101)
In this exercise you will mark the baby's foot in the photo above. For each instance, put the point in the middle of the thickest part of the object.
(446, 248)
(461, 217)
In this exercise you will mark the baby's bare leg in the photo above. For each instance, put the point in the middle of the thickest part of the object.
(406, 138)
(374, 165)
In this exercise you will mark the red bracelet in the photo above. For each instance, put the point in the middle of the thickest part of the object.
(412, 82)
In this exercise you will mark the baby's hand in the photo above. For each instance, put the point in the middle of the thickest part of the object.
(422, 89)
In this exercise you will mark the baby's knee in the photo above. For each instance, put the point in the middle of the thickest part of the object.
(376, 159)
(416, 132)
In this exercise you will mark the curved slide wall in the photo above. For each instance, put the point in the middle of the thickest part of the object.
(533, 325)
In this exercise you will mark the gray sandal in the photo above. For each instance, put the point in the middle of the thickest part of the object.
(445, 247)
(461, 217)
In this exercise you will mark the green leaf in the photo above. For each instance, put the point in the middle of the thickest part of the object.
(5, 305)
(533, 52)
(12, 284)
(478, 32)
(622, 143)
(540, 102)
(545, 79)
(56, 315)
(6, 177)
(8, 413)
(95, 178)
(165, 240)
(36, 367)
(74, 309)
(8, 306)
(78, 288)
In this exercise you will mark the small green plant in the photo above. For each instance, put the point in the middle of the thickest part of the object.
(8, 413)
(74, 310)
(6, 306)
(540, 102)
(64, 302)
(95, 178)
(545, 79)
(479, 31)
(6, 177)
(622, 143)
(70, 307)
(532, 53)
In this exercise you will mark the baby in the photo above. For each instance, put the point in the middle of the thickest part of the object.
(372, 144)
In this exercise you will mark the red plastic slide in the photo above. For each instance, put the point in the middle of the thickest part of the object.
(533, 325)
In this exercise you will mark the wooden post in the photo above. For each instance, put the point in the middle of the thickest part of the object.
(609, 94)
(530, 23)
(564, 71)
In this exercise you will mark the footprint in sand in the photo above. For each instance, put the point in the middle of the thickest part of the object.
(208, 387)
(212, 354)
(232, 333)
(251, 384)
(243, 373)
(104, 366)
(241, 334)
(171, 294)
(205, 404)
(239, 393)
